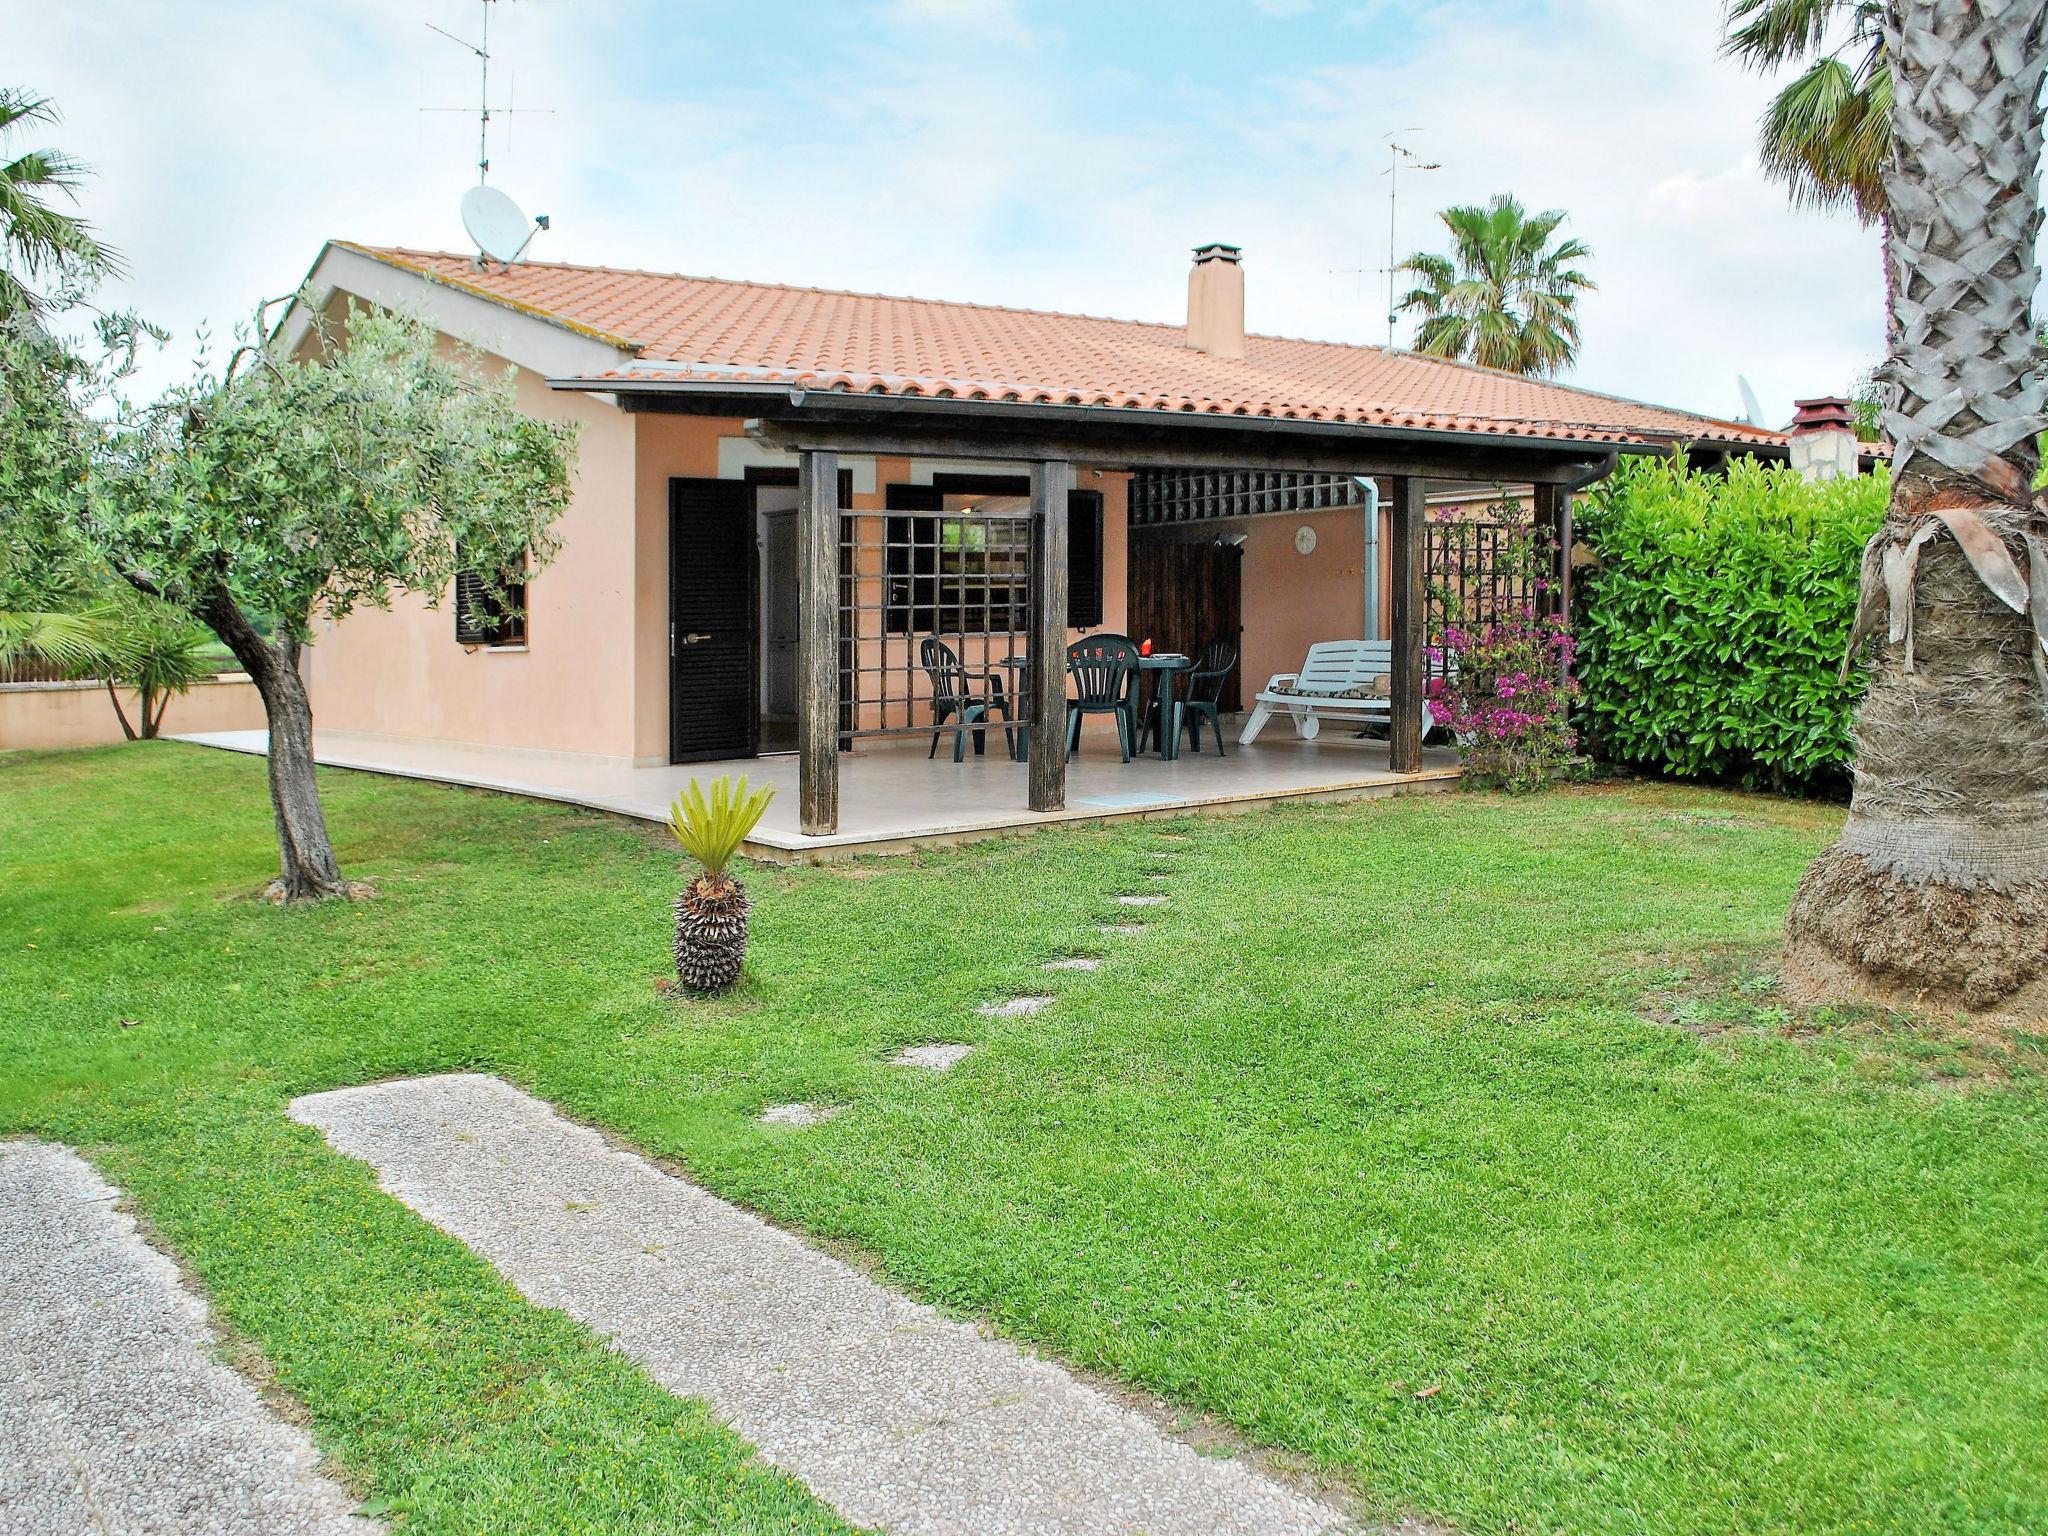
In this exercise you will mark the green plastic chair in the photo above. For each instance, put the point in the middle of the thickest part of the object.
(1201, 697)
(1101, 667)
(956, 696)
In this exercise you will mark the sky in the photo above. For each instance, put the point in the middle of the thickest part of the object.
(1050, 154)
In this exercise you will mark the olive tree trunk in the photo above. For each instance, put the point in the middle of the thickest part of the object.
(307, 869)
(1937, 890)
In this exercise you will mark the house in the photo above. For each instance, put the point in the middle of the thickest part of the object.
(784, 493)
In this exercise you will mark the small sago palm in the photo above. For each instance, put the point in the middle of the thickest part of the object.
(711, 913)
(1505, 297)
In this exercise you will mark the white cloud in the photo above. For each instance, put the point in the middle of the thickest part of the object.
(964, 150)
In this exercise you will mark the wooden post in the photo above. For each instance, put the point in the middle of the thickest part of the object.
(1408, 627)
(817, 642)
(1552, 511)
(1549, 511)
(1051, 480)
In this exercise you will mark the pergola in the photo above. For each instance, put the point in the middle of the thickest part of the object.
(821, 426)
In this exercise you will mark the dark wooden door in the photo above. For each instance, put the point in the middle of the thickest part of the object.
(714, 631)
(1182, 596)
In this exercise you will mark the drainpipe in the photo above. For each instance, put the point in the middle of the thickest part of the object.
(1371, 487)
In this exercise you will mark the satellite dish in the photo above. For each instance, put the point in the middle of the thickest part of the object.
(1752, 409)
(495, 223)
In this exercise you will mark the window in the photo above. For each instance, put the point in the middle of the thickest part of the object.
(964, 569)
(485, 617)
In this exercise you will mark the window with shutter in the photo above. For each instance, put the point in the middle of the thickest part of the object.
(487, 617)
(919, 561)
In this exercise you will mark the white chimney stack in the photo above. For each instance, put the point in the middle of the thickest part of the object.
(1216, 301)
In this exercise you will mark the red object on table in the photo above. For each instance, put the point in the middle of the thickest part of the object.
(1145, 648)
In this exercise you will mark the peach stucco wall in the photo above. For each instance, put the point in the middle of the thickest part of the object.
(1291, 600)
(571, 687)
(41, 715)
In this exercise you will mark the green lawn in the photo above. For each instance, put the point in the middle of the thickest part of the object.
(1424, 1094)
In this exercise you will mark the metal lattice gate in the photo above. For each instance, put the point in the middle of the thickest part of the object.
(1477, 573)
(934, 607)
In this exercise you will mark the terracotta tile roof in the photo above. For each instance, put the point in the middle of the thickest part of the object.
(714, 331)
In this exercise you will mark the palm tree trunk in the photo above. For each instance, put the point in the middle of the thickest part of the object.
(307, 867)
(1937, 890)
(120, 714)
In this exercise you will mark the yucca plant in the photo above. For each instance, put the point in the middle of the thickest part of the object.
(711, 913)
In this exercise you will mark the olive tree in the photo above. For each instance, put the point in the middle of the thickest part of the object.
(288, 491)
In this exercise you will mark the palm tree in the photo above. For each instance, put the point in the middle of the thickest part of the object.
(1505, 297)
(1937, 889)
(37, 241)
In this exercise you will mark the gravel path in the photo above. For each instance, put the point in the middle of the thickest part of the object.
(897, 1416)
(114, 1414)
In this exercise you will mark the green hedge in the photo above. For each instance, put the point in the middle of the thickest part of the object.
(1711, 627)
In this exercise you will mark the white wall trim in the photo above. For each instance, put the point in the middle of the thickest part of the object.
(736, 455)
(532, 342)
(922, 470)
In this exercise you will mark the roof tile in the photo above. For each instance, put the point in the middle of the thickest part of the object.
(711, 330)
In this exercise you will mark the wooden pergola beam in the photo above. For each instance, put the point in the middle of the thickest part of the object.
(1184, 447)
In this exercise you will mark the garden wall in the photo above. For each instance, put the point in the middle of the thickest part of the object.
(42, 715)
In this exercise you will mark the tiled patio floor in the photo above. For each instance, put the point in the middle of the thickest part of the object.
(892, 798)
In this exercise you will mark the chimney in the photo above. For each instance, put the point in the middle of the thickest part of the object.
(1216, 301)
(1823, 439)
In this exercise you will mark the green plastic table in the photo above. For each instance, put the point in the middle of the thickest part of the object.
(1168, 664)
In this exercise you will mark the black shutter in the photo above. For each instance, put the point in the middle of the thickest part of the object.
(714, 693)
(483, 617)
(1084, 559)
(473, 625)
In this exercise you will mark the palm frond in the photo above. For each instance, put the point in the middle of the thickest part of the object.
(1764, 34)
(712, 828)
(1827, 134)
(36, 238)
(79, 642)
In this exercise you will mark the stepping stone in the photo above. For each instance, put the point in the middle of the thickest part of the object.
(900, 1418)
(1141, 901)
(934, 1058)
(1159, 875)
(115, 1414)
(1121, 930)
(799, 1114)
(1014, 1007)
(1073, 963)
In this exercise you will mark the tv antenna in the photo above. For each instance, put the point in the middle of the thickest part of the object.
(1397, 154)
(493, 220)
(482, 50)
